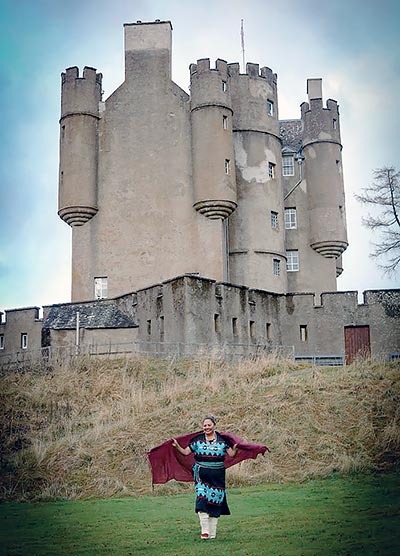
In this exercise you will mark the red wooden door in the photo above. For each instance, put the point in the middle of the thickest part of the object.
(356, 342)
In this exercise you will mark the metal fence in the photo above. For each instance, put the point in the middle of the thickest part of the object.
(323, 360)
(50, 356)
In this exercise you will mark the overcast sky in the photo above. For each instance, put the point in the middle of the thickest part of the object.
(353, 45)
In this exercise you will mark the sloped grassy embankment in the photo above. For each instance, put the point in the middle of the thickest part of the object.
(82, 430)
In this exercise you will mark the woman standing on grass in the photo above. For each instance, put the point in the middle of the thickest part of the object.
(203, 458)
(209, 449)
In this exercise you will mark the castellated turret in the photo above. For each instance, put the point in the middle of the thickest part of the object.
(212, 146)
(323, 171)
(80, 97)
(257, 252)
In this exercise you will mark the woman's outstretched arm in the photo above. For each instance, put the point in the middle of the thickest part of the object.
(184, 451)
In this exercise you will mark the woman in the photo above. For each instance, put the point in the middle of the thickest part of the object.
(209, 449)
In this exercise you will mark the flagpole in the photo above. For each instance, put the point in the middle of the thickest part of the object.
(242, 41)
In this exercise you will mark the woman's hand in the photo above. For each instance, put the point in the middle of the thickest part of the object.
(232, 451)
(184, 451)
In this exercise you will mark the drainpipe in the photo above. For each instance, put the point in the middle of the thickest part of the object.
(77, 333)
(226, 248)
(300, 160)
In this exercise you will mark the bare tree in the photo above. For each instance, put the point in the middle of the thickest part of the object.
(384, 194)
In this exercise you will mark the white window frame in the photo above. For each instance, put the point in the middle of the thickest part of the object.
(227, 166)
(2, 341)
(271, 170)
(100, 287)
(24, 340)
(274, 220)
(224, 86)
(291, 218)
(276, 267)
(288, 165)
(270, 107)
(292, 260)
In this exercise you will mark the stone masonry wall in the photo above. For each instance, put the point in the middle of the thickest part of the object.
(199, 313)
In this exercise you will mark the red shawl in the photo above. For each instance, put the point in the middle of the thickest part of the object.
(167, 463)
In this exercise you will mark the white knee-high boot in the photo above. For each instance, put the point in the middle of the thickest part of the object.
(204, 524)
(213, 522)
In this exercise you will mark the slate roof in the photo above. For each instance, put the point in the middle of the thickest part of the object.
(97, 314)
(290, 132)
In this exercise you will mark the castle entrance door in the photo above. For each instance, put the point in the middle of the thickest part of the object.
(356, 342)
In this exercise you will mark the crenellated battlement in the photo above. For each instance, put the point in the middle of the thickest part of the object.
(232, 70)
(90, 75)
(316, 105)
(203, 65)
(253, 70)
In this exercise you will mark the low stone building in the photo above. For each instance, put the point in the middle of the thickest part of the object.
(190, 315)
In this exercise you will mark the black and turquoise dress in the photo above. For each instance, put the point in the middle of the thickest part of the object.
(209, 474)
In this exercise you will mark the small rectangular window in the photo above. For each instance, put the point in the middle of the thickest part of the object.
(292, 262)
(234, 326)
(271, 170)
(149, 327)
(303, 333)
(24, 340)
(224, 86)
(339, 166)
(274, 220)
(1, 341)
(101, 287)
(227, 166)
(162, 328)
(277, 267)
(334, 123)
(252, 326)
(290, 218)
(288, 165)
(224, 122)
(217, 323)
(270, 107)
(268, 330)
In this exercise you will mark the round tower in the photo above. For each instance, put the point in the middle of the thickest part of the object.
(323, 172)
(212, 147)
(256, 229)
(80, 98)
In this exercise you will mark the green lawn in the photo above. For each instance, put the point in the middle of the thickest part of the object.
(347, 516)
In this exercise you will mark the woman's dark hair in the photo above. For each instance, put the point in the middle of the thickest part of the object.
(211, 417)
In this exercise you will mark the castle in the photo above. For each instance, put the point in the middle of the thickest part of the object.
(156, 183)
(203, 219)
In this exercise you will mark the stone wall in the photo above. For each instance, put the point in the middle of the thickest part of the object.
(195, 313)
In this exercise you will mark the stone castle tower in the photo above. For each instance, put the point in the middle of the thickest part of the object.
(156, 183)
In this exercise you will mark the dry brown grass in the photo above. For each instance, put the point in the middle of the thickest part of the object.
(83, 429)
